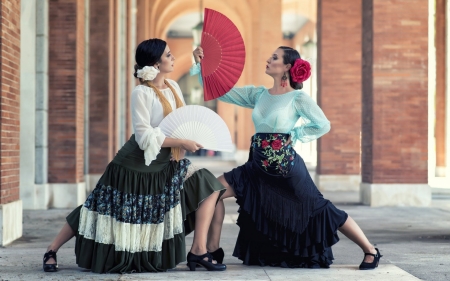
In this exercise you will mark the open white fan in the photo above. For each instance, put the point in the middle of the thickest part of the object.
(200, 124)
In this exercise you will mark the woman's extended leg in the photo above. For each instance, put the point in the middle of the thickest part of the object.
(354, 233)
(65, 234)
(203, 217)
(215, 228)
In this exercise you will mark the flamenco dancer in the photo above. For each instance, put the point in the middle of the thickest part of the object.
(136, 218)
(284, 220)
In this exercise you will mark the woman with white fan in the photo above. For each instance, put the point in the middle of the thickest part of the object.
(136, 218)
(283, 218)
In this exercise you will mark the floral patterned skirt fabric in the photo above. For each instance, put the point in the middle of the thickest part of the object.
(271, 151)
(136, 218)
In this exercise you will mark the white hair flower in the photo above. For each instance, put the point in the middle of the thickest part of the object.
(147, 73)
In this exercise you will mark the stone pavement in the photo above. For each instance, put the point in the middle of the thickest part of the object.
(415, 243)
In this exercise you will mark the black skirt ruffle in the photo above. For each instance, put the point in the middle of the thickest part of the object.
(137, 217)
(273, 227)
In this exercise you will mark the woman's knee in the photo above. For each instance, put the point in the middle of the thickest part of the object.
(229, 190)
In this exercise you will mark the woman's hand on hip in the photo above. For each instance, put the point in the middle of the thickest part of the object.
(198, 54)
(288, 142)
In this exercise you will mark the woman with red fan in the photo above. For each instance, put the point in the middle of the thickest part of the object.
(136, 218)
(283, 218)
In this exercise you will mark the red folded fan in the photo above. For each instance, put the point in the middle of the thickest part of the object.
(224, 51)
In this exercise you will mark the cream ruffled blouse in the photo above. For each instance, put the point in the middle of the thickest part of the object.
(147, 114)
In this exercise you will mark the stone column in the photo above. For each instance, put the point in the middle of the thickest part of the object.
(395, 103)
(66, 103)
(34, 189)
(339, 94)
(41, 138)
(10, 203)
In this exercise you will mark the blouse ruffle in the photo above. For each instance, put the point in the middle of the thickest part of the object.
(148, 136)
(278, 114)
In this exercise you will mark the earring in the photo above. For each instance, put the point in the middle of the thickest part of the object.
(284, 80)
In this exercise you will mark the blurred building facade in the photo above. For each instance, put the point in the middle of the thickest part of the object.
(379, 74)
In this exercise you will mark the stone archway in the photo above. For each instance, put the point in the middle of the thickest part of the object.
(168, 12)
(261, 36)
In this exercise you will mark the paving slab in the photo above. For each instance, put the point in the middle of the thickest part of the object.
(414, 242)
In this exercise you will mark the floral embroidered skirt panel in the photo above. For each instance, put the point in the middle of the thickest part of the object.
(283, 218)
(136, 218)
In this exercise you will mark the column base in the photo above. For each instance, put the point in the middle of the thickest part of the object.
(378, 195)
(338, 182)
(67, 195)
(91, 182)
(440, 171)
(11, 217)
(35, 197)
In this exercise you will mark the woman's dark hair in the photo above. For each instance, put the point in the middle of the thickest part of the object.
(148, 53)
(289, 57)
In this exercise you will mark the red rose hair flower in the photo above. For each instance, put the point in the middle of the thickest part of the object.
(301, 71)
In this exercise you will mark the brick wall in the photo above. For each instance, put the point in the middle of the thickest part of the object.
(395, 91)
(440, 38)
(143, 15)
(101, 81)
(131, 48)
(66, 91)
(9, 100)
(339, 86)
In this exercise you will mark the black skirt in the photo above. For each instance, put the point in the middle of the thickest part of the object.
(283, 218)
(136, 218)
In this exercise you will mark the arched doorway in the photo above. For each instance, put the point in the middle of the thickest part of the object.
(193, 92)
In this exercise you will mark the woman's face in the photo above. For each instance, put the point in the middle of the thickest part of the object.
(275, 65)
(167, 61)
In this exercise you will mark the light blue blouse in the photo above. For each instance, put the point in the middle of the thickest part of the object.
(278, 113)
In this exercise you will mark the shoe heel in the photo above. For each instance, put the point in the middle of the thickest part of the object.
(192, 266)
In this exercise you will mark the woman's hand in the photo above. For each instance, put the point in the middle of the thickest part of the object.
(189, 145)
(288, 142)
(198, 54)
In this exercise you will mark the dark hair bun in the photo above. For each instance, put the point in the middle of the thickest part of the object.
(148, 53)
(136, 68)
(298, 86)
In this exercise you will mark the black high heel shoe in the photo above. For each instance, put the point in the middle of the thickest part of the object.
(50, 267)
(193, 260)
(371, 265)
(218, 255)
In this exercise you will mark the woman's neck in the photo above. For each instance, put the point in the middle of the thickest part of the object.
(158, 82)
(277, 89)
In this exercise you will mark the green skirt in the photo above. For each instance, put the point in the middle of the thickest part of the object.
(136, 218)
